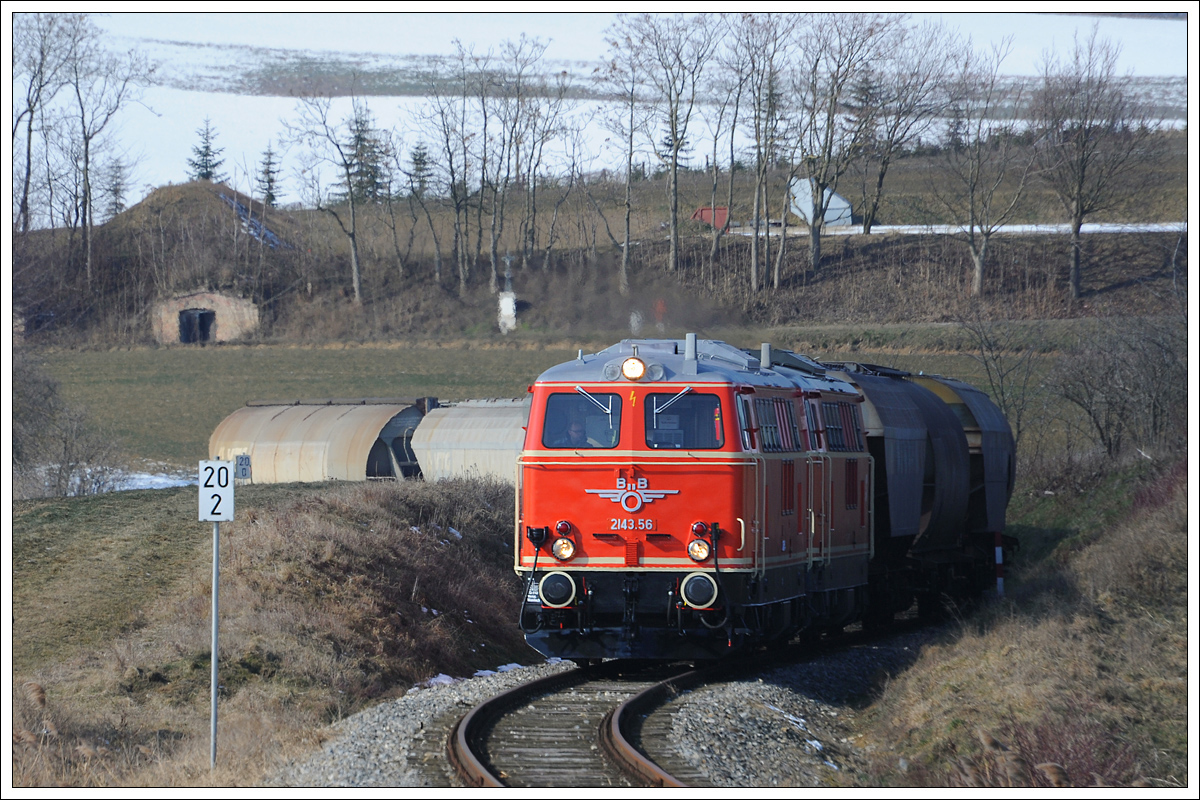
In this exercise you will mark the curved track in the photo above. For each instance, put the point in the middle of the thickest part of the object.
(561, 731)
(607, 725)
(633, 734)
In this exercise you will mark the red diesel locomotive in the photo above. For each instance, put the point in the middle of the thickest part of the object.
(685, 499)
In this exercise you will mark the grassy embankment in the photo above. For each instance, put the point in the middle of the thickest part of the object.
(332, 598)
(1079, 677)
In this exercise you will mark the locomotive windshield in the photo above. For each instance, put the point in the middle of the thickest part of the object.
(684, 421)
(581, 419)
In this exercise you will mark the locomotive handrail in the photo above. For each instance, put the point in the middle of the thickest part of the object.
(742, 523)
(812, 532)
(760, 513)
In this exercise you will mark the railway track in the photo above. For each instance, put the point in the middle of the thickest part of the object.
(584, 727)
(607, 725)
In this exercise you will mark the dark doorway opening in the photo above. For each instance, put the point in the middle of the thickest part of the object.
(197, 325)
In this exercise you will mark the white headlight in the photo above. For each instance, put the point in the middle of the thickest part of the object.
(633, 368)
(698, 550)
(563, 548)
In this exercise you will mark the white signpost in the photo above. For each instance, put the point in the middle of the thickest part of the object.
(216, 506)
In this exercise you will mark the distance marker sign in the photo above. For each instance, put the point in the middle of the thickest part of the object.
(216, 491)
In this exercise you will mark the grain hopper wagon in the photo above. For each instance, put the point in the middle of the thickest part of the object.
(311, 441)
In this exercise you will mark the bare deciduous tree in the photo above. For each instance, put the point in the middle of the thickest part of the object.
(761, 50)
(446, 121)
(902, 94)
(393, 146)
(332, 142)
(43, 45)
(56, 450)
(419, 174)
(678, 48)
(623, 74)
(835, 52)
(728, 90)
(1095, 137)
(1129, 382)
(981, 179)
(101, 83)
(1009, 360)
(540, 110)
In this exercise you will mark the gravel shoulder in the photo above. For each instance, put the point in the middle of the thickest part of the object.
(788, 726)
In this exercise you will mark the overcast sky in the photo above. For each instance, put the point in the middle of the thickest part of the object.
(1149, 47)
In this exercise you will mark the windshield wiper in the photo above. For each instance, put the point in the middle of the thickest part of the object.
(659, 409)
(606, 409)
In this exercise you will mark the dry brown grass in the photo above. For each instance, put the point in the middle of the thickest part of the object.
(1083, 666)
(322, 614)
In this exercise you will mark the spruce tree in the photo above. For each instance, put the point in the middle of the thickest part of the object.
(268, 177)
(207, 159)
(116, 186)
(369, 179)
(420, 171)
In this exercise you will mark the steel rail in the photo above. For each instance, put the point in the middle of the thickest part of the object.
(465, 742)
(621, 730)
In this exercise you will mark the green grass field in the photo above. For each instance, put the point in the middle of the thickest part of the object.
(163, 403)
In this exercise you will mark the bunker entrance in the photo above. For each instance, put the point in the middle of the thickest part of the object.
(197, 325)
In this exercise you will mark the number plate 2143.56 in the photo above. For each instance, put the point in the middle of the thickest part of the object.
(631, 524)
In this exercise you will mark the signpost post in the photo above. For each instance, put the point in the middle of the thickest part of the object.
(216, 506)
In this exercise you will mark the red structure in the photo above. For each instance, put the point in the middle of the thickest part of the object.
(705, 214)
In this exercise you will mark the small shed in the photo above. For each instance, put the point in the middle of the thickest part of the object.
(322, 440)
(705, 214)
(201, 317)
(837, 211)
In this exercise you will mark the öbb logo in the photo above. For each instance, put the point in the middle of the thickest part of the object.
(631, 494)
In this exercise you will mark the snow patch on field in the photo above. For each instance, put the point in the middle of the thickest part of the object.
(168, 477)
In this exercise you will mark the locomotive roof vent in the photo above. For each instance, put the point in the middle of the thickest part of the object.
(866, 369)
(785, 358)
(691, 364)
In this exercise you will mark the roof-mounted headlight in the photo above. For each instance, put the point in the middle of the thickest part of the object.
(633, 368)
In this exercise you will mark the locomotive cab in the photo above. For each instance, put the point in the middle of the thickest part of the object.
(625, 516)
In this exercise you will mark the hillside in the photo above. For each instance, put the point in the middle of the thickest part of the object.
(276, 71)
(295, 265)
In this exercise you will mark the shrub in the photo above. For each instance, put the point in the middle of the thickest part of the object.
(56, 449)
(1130, 383)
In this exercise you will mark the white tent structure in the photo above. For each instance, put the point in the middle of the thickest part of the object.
(837, 211)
